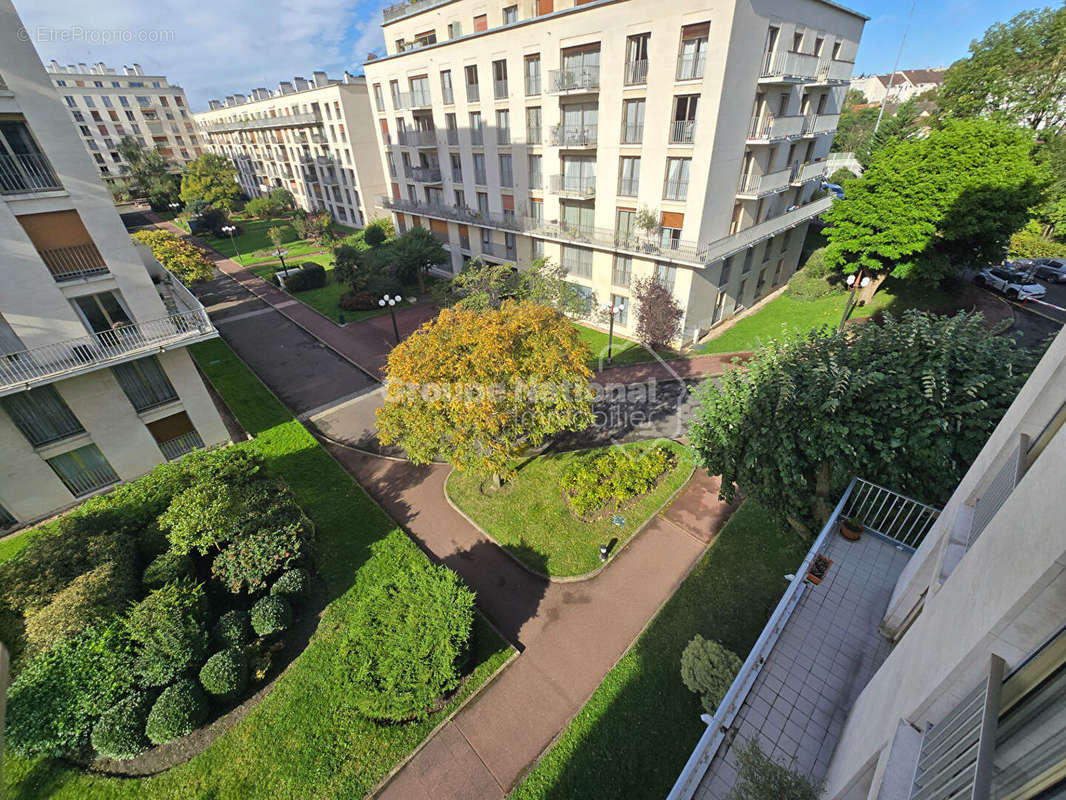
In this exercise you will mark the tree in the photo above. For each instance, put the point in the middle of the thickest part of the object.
(1030, 242)
(1014, 73)
(926, 207)
(658, 313)
(180, 256)
(760, 778)
(480, 388)
(482, 286)
(907, 404)
(841, 175)
(413, 253)
(708, 669)
(149, 173)
(211, 178)
(895, 127)
(855, 127)
(276, 235)
(1051, 154)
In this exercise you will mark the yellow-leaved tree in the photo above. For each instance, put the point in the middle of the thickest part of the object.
(479, 388)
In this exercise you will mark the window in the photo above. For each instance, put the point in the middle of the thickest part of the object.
(622, 272)
(481, 23)
(83, 470)
(477, 135)
(503, 127)
(89, 103)
(107, 101)
(145, 383)
(621, 302)
(533, 130)
(676, 178)
(419, 92)
(70, 101)
(103, 313)
(586, 296)
(577, 261)
(536, 181)
(578, 217)
(579, 125)
(625, 227)
(581, 69)
(123, 101)
(446, 87)
(633, 121)
(727, 268)
(684, 128)
(455, 30)
(506, 170)
(749, 254)
(797, 41)
(392, 164)
(472, 92)
(483, 202)
(379, 97)
(836, 50)
(479, 169)
(665, 275)
(457, 168)
(499, 79)
(637, 59)
(41, 415)
(629, 176)
(460, 200)
(819, 43)
(85, 131)
(532, 64)
(693, 55)
(510, 241)
(79, 117)
(536, 212)
(486, 241)
(579, 175)
(510, 15)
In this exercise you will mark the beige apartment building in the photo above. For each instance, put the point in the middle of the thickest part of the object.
(106, 105)
(930, 662)
(96, 386)
(314, 138)
(515, 130)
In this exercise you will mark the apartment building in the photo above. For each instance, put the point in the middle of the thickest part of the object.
(314, 138)
(930, 661)
(621, 138)
(106, 105)
(906, 83)
(96, 386)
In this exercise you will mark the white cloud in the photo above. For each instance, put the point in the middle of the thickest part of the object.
(210, 49)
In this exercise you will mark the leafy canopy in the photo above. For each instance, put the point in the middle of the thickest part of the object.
(149, 173)
(211, 178)
(481, 286)
(189, 262)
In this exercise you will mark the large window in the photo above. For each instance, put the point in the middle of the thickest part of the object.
(83, 470)
(532, 64)
(473, 93)
(629, 176)
(506, 170)
(145, 383)
(633, 121)
(533, 130)
(579, 175)
(503, 127)
(41, 415)
(676, 187)
(637, 59)
(536, 180)
(499, 79)
(578, 218)
(665, 276)
(623, 270)
(477, 134)
(577, 261)
(479, 169)
(23, 167)
(693, 55)
(447, 93)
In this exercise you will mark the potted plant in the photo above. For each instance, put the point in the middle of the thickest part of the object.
(850, 529)
(819, 567)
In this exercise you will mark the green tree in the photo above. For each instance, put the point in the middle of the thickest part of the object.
(1051, 155)
(894, 127)
(926, 207)
(211, 178)
(907, 404)
(762, 778)
(413, 253)
(482, 286)
(149, 173)
(1030, 242)
(1014, 73)
(855, 125)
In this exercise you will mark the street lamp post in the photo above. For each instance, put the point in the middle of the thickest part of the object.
(612, 310)
(231, 229)
(854, 284)
(390, 303)
(174, 207)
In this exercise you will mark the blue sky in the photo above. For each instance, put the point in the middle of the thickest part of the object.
(214, 49)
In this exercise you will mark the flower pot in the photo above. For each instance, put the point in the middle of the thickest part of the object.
(851, 529)
(818, 569)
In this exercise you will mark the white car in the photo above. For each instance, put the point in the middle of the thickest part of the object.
(1014, 283)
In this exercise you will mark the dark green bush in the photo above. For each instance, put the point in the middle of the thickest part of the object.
(249, 562)
(843, 174)
(234, 465)
(180, 709)
(604, 479)
(359, 301)
(225, 674)
(760, 777)
(294, 583)
(58, 696)
(708, 670)
(816, 265)
(205, 516)
(233, 628)
(166, 568)
(119, 733)
(409, 631)
(804, 286)
(310, 276)
(168, 627)
(271, 614)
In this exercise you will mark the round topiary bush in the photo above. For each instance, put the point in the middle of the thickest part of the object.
(225, 675)
(119, 733)
(180, 709)
(295, 583)
(708, 669)
(169, 566)
(271, 614)
(233, 629)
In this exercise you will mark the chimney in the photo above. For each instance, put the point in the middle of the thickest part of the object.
(321, 79)
(285, 87)
(301, 84)
(83, 68)
(137, 69)
(214, 105)
(240, 99)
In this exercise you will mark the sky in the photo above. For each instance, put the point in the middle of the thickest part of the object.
(217, 48)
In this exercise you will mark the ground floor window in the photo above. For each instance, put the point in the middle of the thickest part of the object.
(83, 470)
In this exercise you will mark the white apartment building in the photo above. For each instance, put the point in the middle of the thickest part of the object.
(314, 138)
(96, 386)
(106, 105)
(906, 84)
(520, 129)
(930, 662)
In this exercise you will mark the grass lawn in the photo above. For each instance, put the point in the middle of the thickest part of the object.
(637, 730)
(305, 739)
(325, 300)
(786, 315)
(531, 520)
(623, 351)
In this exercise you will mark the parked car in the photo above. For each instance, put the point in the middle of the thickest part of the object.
(1014, 283)
(1051, 269)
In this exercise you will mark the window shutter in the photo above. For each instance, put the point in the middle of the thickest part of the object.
(481, 23)
(672, 219)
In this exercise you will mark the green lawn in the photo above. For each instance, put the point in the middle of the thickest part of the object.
(326, 300)
(637, 730)
(531, 520)
(623, 351)
(305, 739)
(785, 315)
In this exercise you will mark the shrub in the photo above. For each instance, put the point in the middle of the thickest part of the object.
(1030, 242)
(58, 696)
(168, 627)
(180, 709)
(233, 629)
(358, 301)
(804, 286)
(843, 174)
(816, 265)
(206, 515)
(658, 315)
(119, 733)
(708, 670)
(260, 207)
(760, 777)
(271, 614)
(225, 674)
(603, 480)
(293, 583)
(166, 568)
(238, 466)
(247, 563)
(214, 219)
(189, 262)
(310, 276)
(409, 631)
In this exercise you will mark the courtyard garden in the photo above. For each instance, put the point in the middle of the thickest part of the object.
(623, 350)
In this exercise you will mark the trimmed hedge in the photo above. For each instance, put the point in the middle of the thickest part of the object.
(708, 670)
(119, 733)
(179, 710)
(310, 276)
(166, 568)
(233, 629)
(225, 674)
(247, 563)
(271, 614)
(359, 301)
(294, 584)
(605, 479)
(168, 627)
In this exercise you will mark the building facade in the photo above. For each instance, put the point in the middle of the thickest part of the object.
(96, 386)
(105, 106)
(906, 84)
(314, 138)
(623, 139)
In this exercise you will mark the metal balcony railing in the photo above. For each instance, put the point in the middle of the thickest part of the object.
(426, 174)
(675, 189)
(734, 243)
(835, 70)
(27, 172)
(758, 185)
(499, 89)
(401, 10)
(453, 137)
(175, 448)
(414, 99)
(891, 514)
(450, 212)
(448, 96)
(477, 136)
(574, 136)
(690, 67)
(75, 261)
(89, 480)
(583, 186)
(790, 65)
(632, 134)
(807, 172)
(473, 93)
(503, 136)
(583, 79)
(627, 187)
(771, 126)
(258, 123)
(534, 136)
(418, 138)
(532, 85)
(636, 72)
(643, 243)
(683, 131)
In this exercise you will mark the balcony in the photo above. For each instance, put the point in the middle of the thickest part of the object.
(833, 70)
(265, 123)
(789, 67)
(573, 136)
(414, 99)
(816, 124)
(636, 72)
(401, 10)
(499, 90)
(809, 683)
(418, 138)
(807, 172)
(690, 67)
(581, 79)
(682, 131)
(26, 173)
(770, 127)
(74, 262)
(728, 245)
(754, 185)
(175, 448)
(573, 185)
(618, 241)
(423, 208)
(426, 174)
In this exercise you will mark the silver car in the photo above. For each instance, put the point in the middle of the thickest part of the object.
(1052, 270)
(1014, 283)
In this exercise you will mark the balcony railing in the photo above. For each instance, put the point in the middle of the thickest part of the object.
(532, 85)
(807, 172)
(443, 211)
(414, 99)
(582, 79)
(61, 359)
(534, 136)
(426, 174)
(627, 187)
(499, 89)
(728, 245)
(833, 70)
(286, 121)
(503, 136)
(180, 445)
(759, 185)
(90, 479)
(76, 261)
(575, 185)
(574, 136)
(683, 131)
(790, 65)
(815, 124)
(418, 138)
(770, 126)
(690, 67)
(675, 189)
(473, 93)
(453, 137)
(626, 241)
(400, 10)
(636, 72)
(632, 134)
(27, 172)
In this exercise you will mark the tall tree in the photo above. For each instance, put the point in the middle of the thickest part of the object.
(481, 286)
(658, 314)
(907, 404)
(894, 127)
(926, 207)
(414, 252)
(149, 173)
(1016, 72)
(479, 388)
(211, 178)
